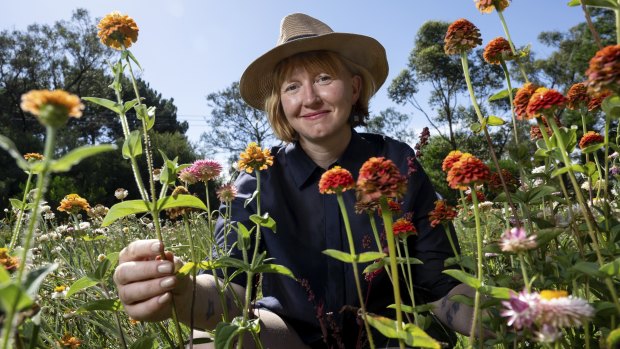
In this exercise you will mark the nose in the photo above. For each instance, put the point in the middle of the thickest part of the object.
(311, 97)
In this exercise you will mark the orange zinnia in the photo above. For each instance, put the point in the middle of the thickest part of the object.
(462, 36)
(52, 108)
(468, 171)
(69, 341)
(117, 31)
(451, 158)
(487, 6)
(403, 228)
(380, 177)
(590, 138)
(604, 70)
(254, 158)
(9, 262)
(335, 181)
(544, 100)
(33, 157)
(522, 98)
(577, 96)
(73, 203)
(596, 99)
(497, 50)
(442, 213)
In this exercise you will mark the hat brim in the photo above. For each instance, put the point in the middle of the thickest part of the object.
(256, 82)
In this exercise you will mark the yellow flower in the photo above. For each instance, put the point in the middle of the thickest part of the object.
(52, 108)
(73, 203)
(551, 294)
(487, 6)
(254, 158)
(9, 262)
(117, 31)
(33, 157)
(68, 341)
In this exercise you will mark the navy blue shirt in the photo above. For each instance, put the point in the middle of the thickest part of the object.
(309, 222)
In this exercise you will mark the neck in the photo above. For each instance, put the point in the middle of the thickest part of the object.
(326, 151)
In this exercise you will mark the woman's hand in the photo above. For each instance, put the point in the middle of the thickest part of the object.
(146, 283)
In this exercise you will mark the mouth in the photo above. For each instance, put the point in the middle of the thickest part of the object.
(315, 115)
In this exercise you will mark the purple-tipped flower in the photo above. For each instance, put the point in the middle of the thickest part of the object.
(516, 240)
(522, 309)
(227, 193)
(560, 310)
(187, 176)
(206, 170)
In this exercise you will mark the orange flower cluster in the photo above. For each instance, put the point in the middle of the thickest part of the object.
(452, 158)
(69, 341)
(442, 213)
(487, 6)
(335, 181)
(175, 212)
(33, 157)
(495, 182)
(469, 170)
(462, 36)
(544, 100)
(117, 31)
(577, 96)
(9, 262)
(604, 70)
(254, 158)
(380, 177)
(52, 108)
(403, 228)
(597, 98)
(497, 50)
(73, 203)
(522, 98)
(590, 138)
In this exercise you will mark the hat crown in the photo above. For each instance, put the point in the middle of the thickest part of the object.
(298, 26)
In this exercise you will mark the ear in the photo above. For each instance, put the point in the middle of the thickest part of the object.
(356, 86)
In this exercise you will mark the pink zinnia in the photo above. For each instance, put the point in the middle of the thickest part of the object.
(186, 175)
(516, 240)
(206, 170)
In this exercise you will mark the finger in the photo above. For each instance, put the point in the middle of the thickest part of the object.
(135, 271)
(153, 309)
(140, 250)
(141, 291)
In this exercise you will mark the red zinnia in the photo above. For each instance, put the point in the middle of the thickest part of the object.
(497, 50)
(604, 70)
(462, 36)
(451, 158)
(577, 96)
(442, 213)
(522, 98)
(335, 181)
(590, 138)
(596, 99)
(468, 171)
(479, 195)
(495, 182)
(380, 177)
(544, 100)
(403, 228)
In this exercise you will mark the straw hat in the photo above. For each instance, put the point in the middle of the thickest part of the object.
(302, 33)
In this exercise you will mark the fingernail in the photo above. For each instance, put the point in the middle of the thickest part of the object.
(167, 282)
(164, 298)
(156, 246)
(165, 268)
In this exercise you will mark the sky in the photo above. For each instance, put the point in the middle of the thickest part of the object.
(190, 48)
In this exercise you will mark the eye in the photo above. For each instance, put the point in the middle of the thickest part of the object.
(290, 88)
(323, 79)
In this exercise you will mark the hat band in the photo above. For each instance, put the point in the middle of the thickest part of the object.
(300, 37)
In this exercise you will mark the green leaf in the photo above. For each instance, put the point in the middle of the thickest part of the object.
(339, 255)
(535, 195)
(493, 120)
(365, 257)
(4, 276)
(234, 263)
(611, 4)
(74, 157)
(132, 146)
(274, 268)
(145, 342)
(264, 221)
(124, 209)
(463, 277)
(113, 106)
(573, 3)
(81, 284)
(11, 294)
(181, 200)
(204, 265)
(225, 334)
(612, 269)
(611, 106)
(459, 298)
(101, 304)
(569, 138)
(497, 292)
(16, 204)
(411, 334)
(243, 236)
(129, 104)
(500, 95)
(35, 278)
(101, 270)
(248, 200)
(133, 58)
(592, 148)
(587, 268)
(409, 309)
(573, 167)
(475, 127)
(8, 145)
(613, 338)
(150, 119)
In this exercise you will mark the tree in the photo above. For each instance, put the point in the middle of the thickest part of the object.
(233, 124)
(391, 123)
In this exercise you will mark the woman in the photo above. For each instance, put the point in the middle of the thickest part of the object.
(315, 86)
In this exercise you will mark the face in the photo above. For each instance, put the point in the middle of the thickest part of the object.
(318, 105)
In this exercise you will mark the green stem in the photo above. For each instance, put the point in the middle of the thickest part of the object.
(512, 46)
(512, 110)
(389, 232)
(356, 275)
(192, 251)
(446, 228)
(410, 277)
(606, 142)
(20, 217)
(617, 11)
(50, 140)
(526, 280)
(474, 321)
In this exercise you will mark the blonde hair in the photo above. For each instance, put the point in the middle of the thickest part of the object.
(314, 62)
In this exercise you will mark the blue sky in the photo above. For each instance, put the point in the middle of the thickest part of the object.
(191, 48)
